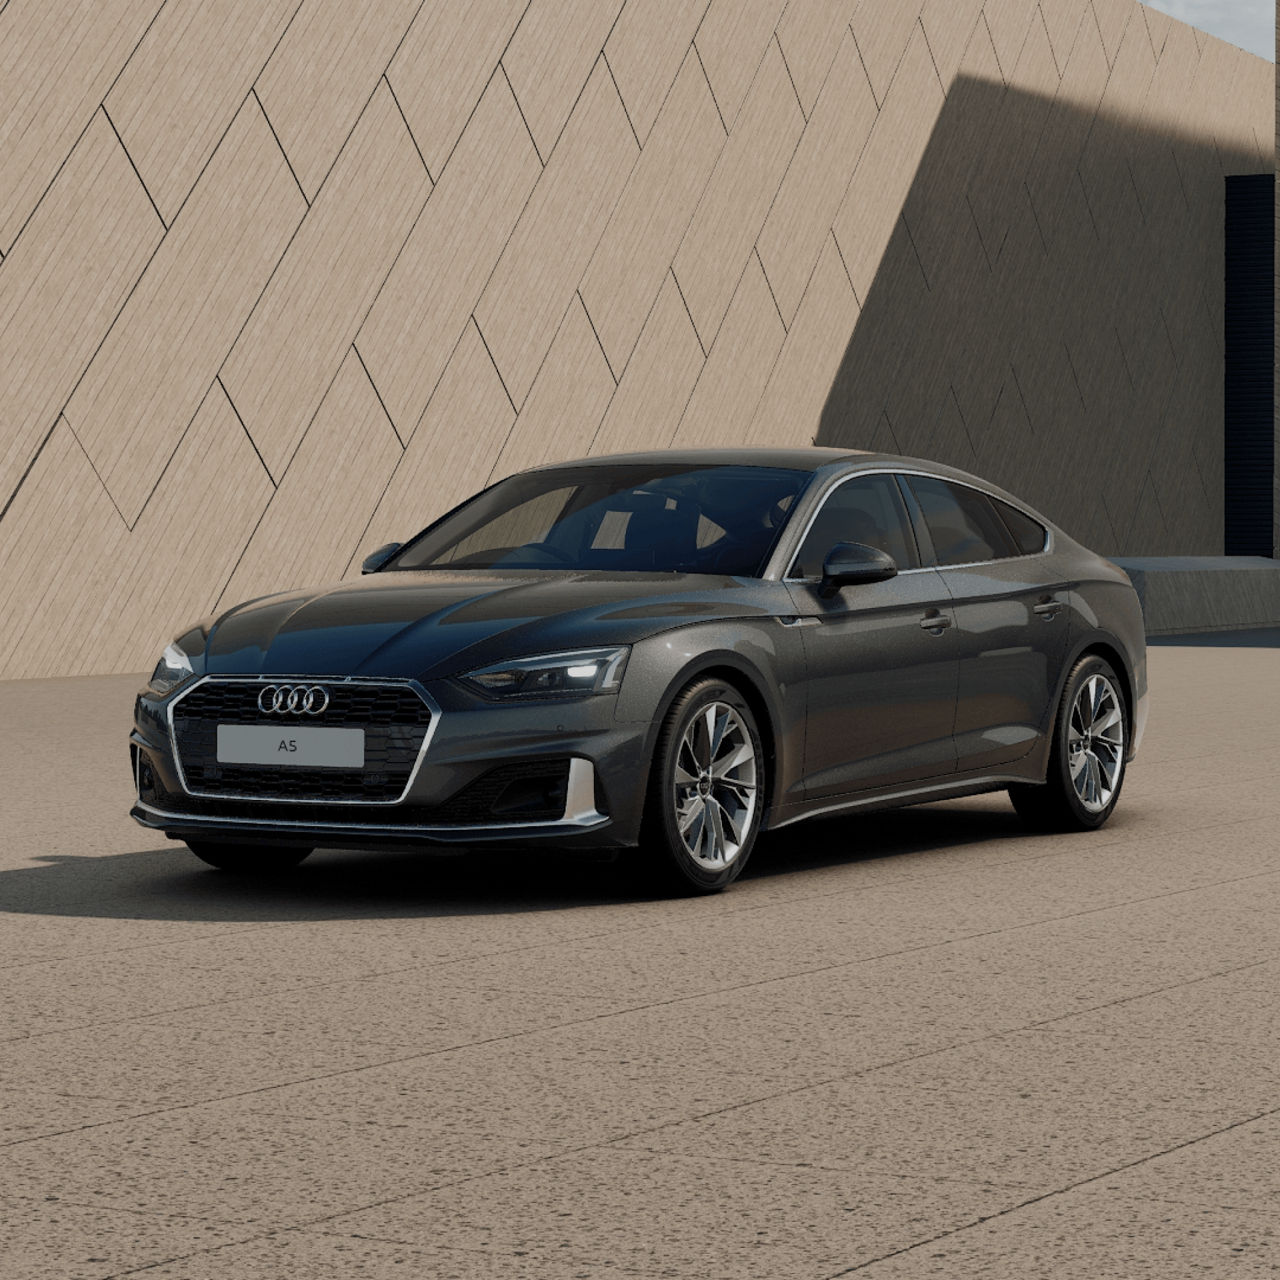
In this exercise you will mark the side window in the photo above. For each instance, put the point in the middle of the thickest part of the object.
(866, 509)
(962, 522)
(1028, 534)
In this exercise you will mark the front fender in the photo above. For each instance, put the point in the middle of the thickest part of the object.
(765, 659)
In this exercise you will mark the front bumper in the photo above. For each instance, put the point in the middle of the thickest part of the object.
(597, 802)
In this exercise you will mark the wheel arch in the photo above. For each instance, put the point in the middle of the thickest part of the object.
(736, 671)
(1109, 649)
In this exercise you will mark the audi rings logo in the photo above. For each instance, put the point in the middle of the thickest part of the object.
(293, 699)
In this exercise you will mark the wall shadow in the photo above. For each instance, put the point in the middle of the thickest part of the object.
(1048, 313)
(169, 884)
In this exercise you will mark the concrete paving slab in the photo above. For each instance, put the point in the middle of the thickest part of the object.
(49, 1238)
(1106, 1229)
(513, 1065)
(656, 1214)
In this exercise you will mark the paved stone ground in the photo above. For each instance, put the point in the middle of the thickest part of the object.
(917, 1044)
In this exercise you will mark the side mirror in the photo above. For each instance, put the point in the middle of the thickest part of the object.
(849, 563)
(376, 559)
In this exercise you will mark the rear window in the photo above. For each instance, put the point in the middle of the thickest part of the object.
(1028, 535)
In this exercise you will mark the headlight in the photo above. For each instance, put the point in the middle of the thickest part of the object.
(584, 671)
(173, 668)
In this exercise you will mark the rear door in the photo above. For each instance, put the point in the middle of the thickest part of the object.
(1011, 616)
(882, 657)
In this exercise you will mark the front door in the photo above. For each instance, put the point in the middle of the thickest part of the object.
(882, 657)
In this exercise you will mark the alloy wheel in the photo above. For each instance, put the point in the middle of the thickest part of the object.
(1095, 742)
(714, 786)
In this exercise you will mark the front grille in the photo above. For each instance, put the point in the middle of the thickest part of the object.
(394, 718)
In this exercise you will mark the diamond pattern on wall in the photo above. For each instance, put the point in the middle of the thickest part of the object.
(279, 283)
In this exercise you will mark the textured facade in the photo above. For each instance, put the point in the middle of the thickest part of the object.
(281, 281)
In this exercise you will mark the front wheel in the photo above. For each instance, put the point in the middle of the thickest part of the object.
(247, 859)
(1086, 762)
(706, 789)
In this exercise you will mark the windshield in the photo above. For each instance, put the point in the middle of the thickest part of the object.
(651, 517)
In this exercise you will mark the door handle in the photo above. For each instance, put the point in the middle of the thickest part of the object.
(935, 622)
(1049, 609)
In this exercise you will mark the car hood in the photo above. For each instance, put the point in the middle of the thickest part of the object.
(433, 624)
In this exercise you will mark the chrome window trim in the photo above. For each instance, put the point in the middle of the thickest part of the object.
(838, 480)
(430, 703)
(580, 812)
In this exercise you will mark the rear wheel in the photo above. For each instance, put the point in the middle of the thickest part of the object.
(706, 789)
(1086, 763)
(248, 859)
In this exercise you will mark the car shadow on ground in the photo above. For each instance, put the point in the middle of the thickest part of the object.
(169, 884)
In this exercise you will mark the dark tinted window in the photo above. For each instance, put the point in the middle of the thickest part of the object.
(962, 522)
(867, 509)
(658, 517)
(1028, 534)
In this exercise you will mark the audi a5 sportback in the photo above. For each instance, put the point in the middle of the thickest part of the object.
(665, 650)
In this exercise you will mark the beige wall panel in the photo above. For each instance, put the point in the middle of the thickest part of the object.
(737, 369)
(322, 73)
(452, 452)
(659, 379)
(1113, 18)
(1108, 186)
(321, 508)
(950, 26)
(56, 63)
(810, 32)
(1158, 28)
(937, 210)
(61, 287)
(869, 213)
(148, 378)
(1009, 22)
(1090, 312)
(551, 57)
(731, 41)
(180, 90)
(441, 69)
(817, 178)
(1053, 172)
(646, 48)
(568, 399)
(882, 32)
(414, 324)
(1062, 20)
(801, 379)
(737, 199)
(288, 353)
(61, 537)
(543, 262)
(997, 185)
(188, 540)
(655, 209)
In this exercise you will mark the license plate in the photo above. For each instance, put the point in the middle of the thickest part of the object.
(299, 746)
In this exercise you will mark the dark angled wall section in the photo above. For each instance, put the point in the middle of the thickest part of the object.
(1049, 312)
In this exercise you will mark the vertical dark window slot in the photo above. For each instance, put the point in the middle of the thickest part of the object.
(1249, 384)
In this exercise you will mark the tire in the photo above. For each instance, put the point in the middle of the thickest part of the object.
(706, 791)
(1087, 759)
(248, 859)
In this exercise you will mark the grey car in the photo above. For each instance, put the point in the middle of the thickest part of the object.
(667, 651)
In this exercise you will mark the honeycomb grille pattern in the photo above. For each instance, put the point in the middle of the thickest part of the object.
(394, 719)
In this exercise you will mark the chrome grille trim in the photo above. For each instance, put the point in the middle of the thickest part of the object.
(343, 681)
